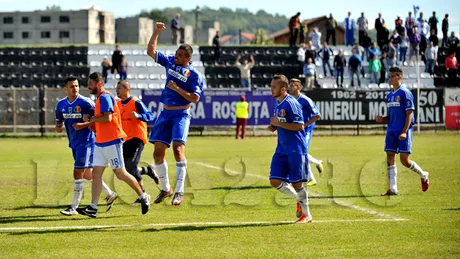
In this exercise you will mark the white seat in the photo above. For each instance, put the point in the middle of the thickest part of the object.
(373, 86)
(142, 77)
(141, 64)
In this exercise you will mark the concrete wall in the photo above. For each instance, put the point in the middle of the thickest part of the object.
(137, 30)
(145, 30)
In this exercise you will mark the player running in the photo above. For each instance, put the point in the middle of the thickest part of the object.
(400, 119)
(69, 112)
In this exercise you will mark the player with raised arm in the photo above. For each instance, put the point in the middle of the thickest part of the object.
(69, 112)
(134, 118)
(108, 148)
(400, 119)
(183, 86)
(290, 161)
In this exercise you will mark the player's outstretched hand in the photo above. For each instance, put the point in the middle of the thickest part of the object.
(172, 85)
(403, 136)
(59, 129)
(379, 119)
(159, 27)
(271, 128)
(274, 121)
(79, 126)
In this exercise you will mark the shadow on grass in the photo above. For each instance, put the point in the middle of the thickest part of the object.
(56, 231)
(212, 227)
(451, 209)
(47, 218)
(229, 188)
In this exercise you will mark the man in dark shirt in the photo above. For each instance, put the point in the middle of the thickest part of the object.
(339, 64)
(354, 64)
(331, 24)
(445, 29)
(216, 47)
(433, 23)
(116, 59)
(294, 24)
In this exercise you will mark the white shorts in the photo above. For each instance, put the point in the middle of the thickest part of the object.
(110, 155)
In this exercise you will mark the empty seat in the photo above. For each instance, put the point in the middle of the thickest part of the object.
(142, 86)
(141, 64)
(47, 64)
(142, 77)
(151, 64)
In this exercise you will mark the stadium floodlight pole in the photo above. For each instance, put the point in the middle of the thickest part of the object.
(418, 97)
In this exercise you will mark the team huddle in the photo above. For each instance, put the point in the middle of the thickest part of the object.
(113, 133)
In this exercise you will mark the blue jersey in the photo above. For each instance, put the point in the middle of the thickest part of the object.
(187, 78)
(398, 103)
(72, 112)
(290, 142)
(309, 110)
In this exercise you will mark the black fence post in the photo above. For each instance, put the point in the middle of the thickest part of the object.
(41, 104)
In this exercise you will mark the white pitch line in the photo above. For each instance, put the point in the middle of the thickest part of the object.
(342, 203)
(185, 224)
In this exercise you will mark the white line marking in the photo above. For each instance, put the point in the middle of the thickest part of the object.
(341, 203)
(185, 224)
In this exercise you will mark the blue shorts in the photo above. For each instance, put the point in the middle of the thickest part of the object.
(393, 144)
(289, 168)
(171, 126)
(83, 157)
(308, 137)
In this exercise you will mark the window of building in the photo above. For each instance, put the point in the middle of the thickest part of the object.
(45, 34)
(8, 35)
(46, 19)
(25, 19)
(64, 34)
(25, 34)
(64, 19)
(8, 20)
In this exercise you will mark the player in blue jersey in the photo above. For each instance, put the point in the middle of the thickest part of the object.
(400, 103)
(69, 112)
(290, 161)
(310, 115)
(183, 87)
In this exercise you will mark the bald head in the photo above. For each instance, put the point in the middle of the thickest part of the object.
(123, 89)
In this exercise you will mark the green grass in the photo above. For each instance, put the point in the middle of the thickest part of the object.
(32, 193)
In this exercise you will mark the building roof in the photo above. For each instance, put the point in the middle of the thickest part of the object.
(225, 38)
(306, 22)
(249, 36)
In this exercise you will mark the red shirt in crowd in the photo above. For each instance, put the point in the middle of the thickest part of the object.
(451, 62)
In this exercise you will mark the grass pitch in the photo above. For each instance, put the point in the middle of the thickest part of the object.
(229, 209)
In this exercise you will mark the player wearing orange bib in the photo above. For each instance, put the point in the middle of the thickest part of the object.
(134, 118)
(108, 148)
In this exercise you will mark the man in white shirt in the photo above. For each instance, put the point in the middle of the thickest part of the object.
(301, 55)
(424, 29)
(245, 71)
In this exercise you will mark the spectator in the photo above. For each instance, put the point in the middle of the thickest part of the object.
(106, 65)
(116, 59)
(399, 24)
(301, 55)
(241, 114)
(379, 22)
(430, 58)
(310, 73)
(216, 47)
(385, 67)
(395, 39)
(325, 54)
(245, 71)
(415, 40)
(453, 42)
(420, 18)
(392, 56)
(373, 51)
(349, 24)
(403, 47)
(331, 25)
(375, 67)
(294, 23)
(359, 50)
(410, 24)
(315, 37)
(433, 23)
(339, 64)
(363, 26)
(177, 28)
(424, 30)
(302, 31)
(355, 64)
(123, 68)
(366, 43)
(382, 37)
(445, 29)
(434, 38)
(451, 66)
(310, 52)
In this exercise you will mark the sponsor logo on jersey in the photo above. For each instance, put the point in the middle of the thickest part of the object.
(393, 104)
(186, 72)
(77, 109)
(72, 115)
(177, 75)
(282, 113)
